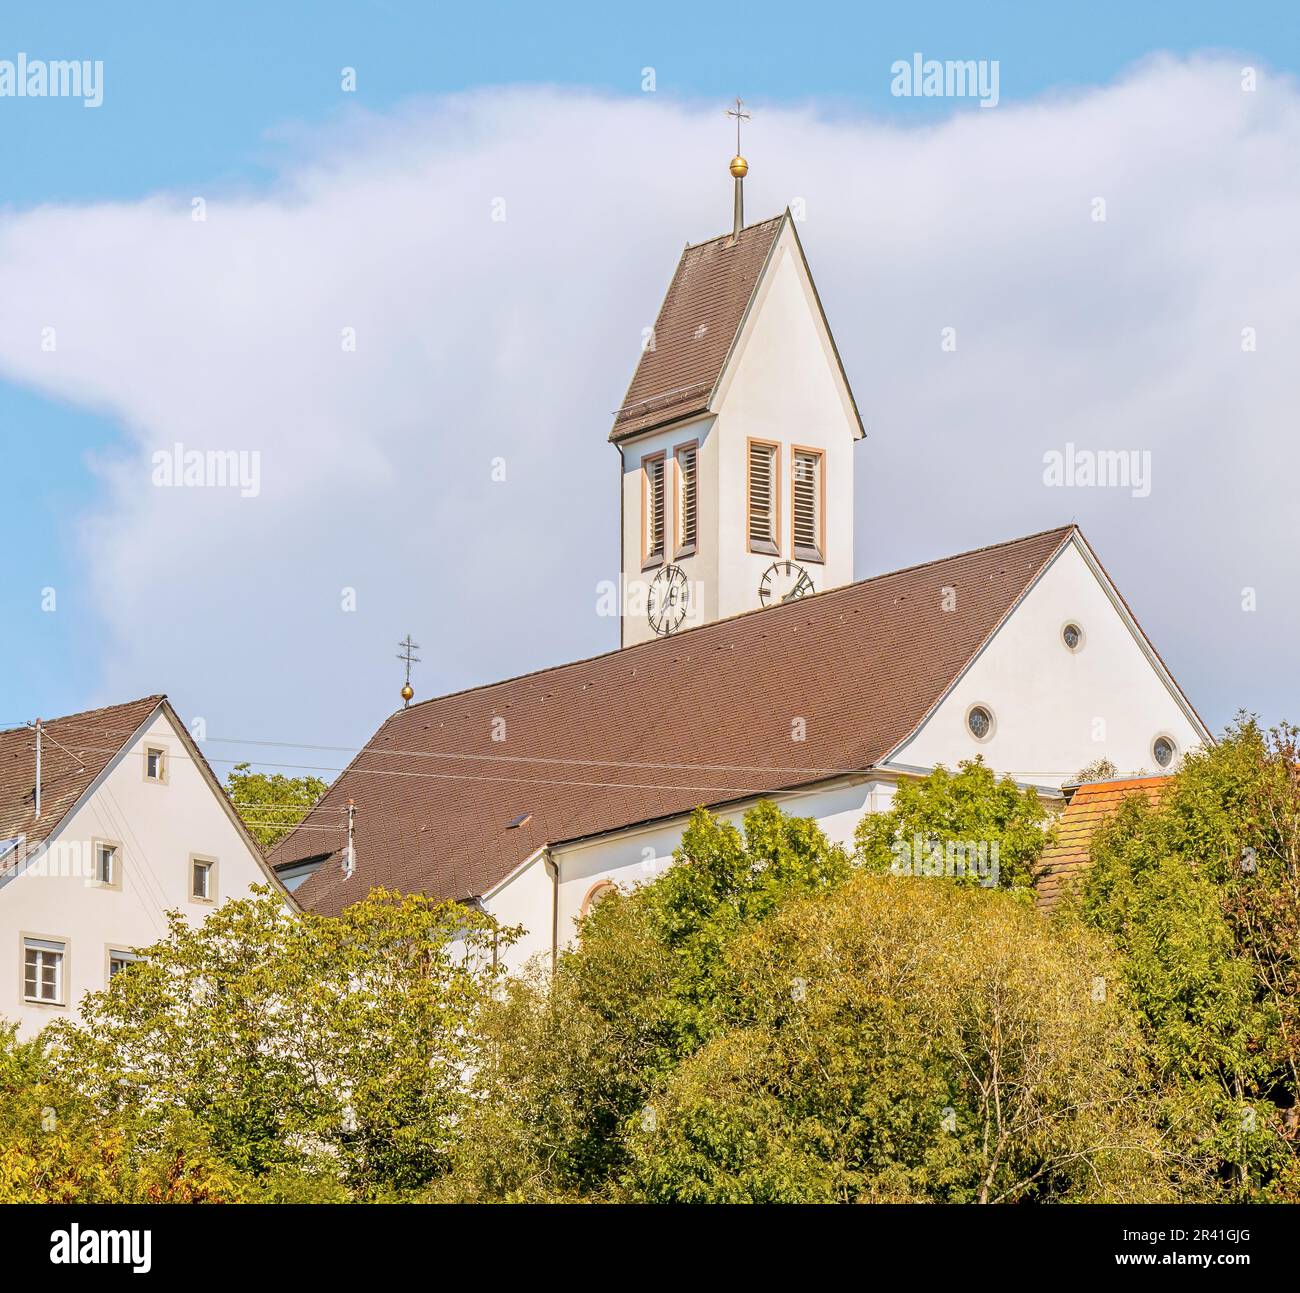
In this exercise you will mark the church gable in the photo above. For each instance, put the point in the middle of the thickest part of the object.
(785, 369)
(1068, 679)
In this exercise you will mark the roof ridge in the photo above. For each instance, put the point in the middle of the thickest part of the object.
(88, 713)
(729, 619)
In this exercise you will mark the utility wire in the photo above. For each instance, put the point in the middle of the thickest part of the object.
(542, 758)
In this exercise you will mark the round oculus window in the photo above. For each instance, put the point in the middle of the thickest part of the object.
(980, 722)
(1163, 751)
(1072, 636)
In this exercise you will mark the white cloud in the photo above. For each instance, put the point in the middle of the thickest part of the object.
(478, 339)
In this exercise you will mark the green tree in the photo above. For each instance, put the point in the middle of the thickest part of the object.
(1201, 895)
(899, 1039)
(57, 1147)
(309, 1049)
(948, 812)
(271, 804)
(568, 1061)
(760, 1023)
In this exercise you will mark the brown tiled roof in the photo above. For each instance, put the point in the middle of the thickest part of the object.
(656, 729)
(1064, 864)
(74, 751)
(697, 324)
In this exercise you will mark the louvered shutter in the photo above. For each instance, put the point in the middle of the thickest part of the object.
(655, 503)
(762, 497)
(687, 504)
(807, 502)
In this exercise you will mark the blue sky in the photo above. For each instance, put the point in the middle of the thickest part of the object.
(227, 100)
(197, 94)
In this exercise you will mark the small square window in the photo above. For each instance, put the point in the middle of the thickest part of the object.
(119, 960)
(43, 971)
(155, 764)
(107, 866)
(201, 886)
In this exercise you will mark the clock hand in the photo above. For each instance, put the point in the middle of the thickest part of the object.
(798, 590)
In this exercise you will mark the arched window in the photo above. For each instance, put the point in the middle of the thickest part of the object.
(596, 894)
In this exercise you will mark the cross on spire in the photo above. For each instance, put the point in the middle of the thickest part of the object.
(409, 657)
(740, 115)
(739, 168)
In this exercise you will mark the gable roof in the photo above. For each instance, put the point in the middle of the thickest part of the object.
(74, 751)
(657, 729)
(1065, 863)
(698, 321)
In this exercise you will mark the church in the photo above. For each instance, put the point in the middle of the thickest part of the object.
(751, 664)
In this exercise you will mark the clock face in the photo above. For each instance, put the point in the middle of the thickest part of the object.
(784, 581)
(669, 600)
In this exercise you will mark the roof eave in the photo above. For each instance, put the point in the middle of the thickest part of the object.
(675, 418)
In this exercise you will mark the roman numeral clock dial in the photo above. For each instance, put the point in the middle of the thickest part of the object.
(784, 581)
(668, 601)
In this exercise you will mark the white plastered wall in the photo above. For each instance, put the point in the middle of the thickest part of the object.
(1056, 711)
(784, 386)
(634, 856)
(158, 829)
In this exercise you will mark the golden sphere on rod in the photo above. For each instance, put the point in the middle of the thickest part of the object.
(739, 167)
(408, 691)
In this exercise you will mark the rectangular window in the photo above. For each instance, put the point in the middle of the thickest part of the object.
(687, 498)
(155, 764)
(119, 960)
(43, 970)
(201, 885)
(808, 495)
(761, 497)
(654, 509)
(107, 866)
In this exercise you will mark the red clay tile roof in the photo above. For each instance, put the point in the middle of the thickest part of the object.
(74, 751)
(656, 729)
(697, 324)
(1065, 863)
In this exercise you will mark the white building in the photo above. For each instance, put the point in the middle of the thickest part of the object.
(751, 667)
(125, 823)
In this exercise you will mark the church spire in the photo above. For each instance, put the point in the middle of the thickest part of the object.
(739, 169)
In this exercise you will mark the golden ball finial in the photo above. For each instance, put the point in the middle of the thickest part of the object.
(739, 167)
(408, 691)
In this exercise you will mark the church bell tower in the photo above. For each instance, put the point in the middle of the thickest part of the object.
(736, 436)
